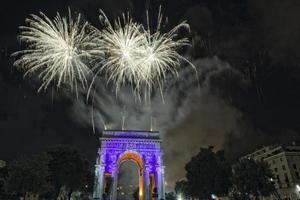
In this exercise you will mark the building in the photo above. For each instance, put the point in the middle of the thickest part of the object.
(284, 162)
(141, 147)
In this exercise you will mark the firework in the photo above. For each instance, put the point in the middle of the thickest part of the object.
(121, 43)
(137, 55)
(159, 53)
(58, 50)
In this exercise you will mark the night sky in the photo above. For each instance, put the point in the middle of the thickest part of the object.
(247, 54)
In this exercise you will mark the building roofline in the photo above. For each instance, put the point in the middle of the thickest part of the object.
(139, 134)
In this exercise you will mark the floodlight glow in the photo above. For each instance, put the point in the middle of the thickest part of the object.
(179, 197)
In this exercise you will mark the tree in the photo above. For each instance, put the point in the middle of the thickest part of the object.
(251, 178)
(3, 177)
(170, 196)
(208, 173)
(69, 170)
(28, 175)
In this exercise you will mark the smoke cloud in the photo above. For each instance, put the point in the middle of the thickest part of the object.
(188, 116)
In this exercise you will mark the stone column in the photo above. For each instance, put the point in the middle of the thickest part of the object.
(96, 191)
(146, 182)
(114, 182)
(160, 181)
(99, 179)
(141, 184)
(163, 193)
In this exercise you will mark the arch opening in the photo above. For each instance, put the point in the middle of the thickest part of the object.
(134, 157)
(128, 181)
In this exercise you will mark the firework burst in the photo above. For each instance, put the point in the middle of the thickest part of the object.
(121, 44)
(137, 55)
(58, 50)
(160, 53)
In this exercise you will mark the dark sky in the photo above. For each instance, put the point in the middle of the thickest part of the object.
(247, 53)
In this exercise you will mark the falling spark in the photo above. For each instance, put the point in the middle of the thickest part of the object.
(151, 123)
(58, 51)
(123, 122)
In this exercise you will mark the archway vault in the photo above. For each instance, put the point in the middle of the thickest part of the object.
(131, 155)
(142, 147)
(135, 157)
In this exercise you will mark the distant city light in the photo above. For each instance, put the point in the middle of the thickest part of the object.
(179, 197)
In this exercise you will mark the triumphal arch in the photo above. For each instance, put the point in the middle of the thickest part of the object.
(141, 147)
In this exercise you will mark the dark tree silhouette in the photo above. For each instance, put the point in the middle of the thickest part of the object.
(208, 173)
(251, 177)
(170, 196)
(28, 175)
(70, 169)
(3, 177)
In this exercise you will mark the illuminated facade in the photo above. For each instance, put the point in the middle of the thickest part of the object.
(284, 161)
(142, 147)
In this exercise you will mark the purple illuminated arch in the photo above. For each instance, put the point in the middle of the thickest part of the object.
(143, 147)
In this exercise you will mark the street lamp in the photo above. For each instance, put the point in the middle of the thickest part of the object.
(179, 197)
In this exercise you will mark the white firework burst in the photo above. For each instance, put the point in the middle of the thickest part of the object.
(160, 53)
(58, 50)
(137, 55)
(121, 43)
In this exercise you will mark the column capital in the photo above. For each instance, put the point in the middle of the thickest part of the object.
(159, 167)
(100, 165)
(147, 167)
(163, 168)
